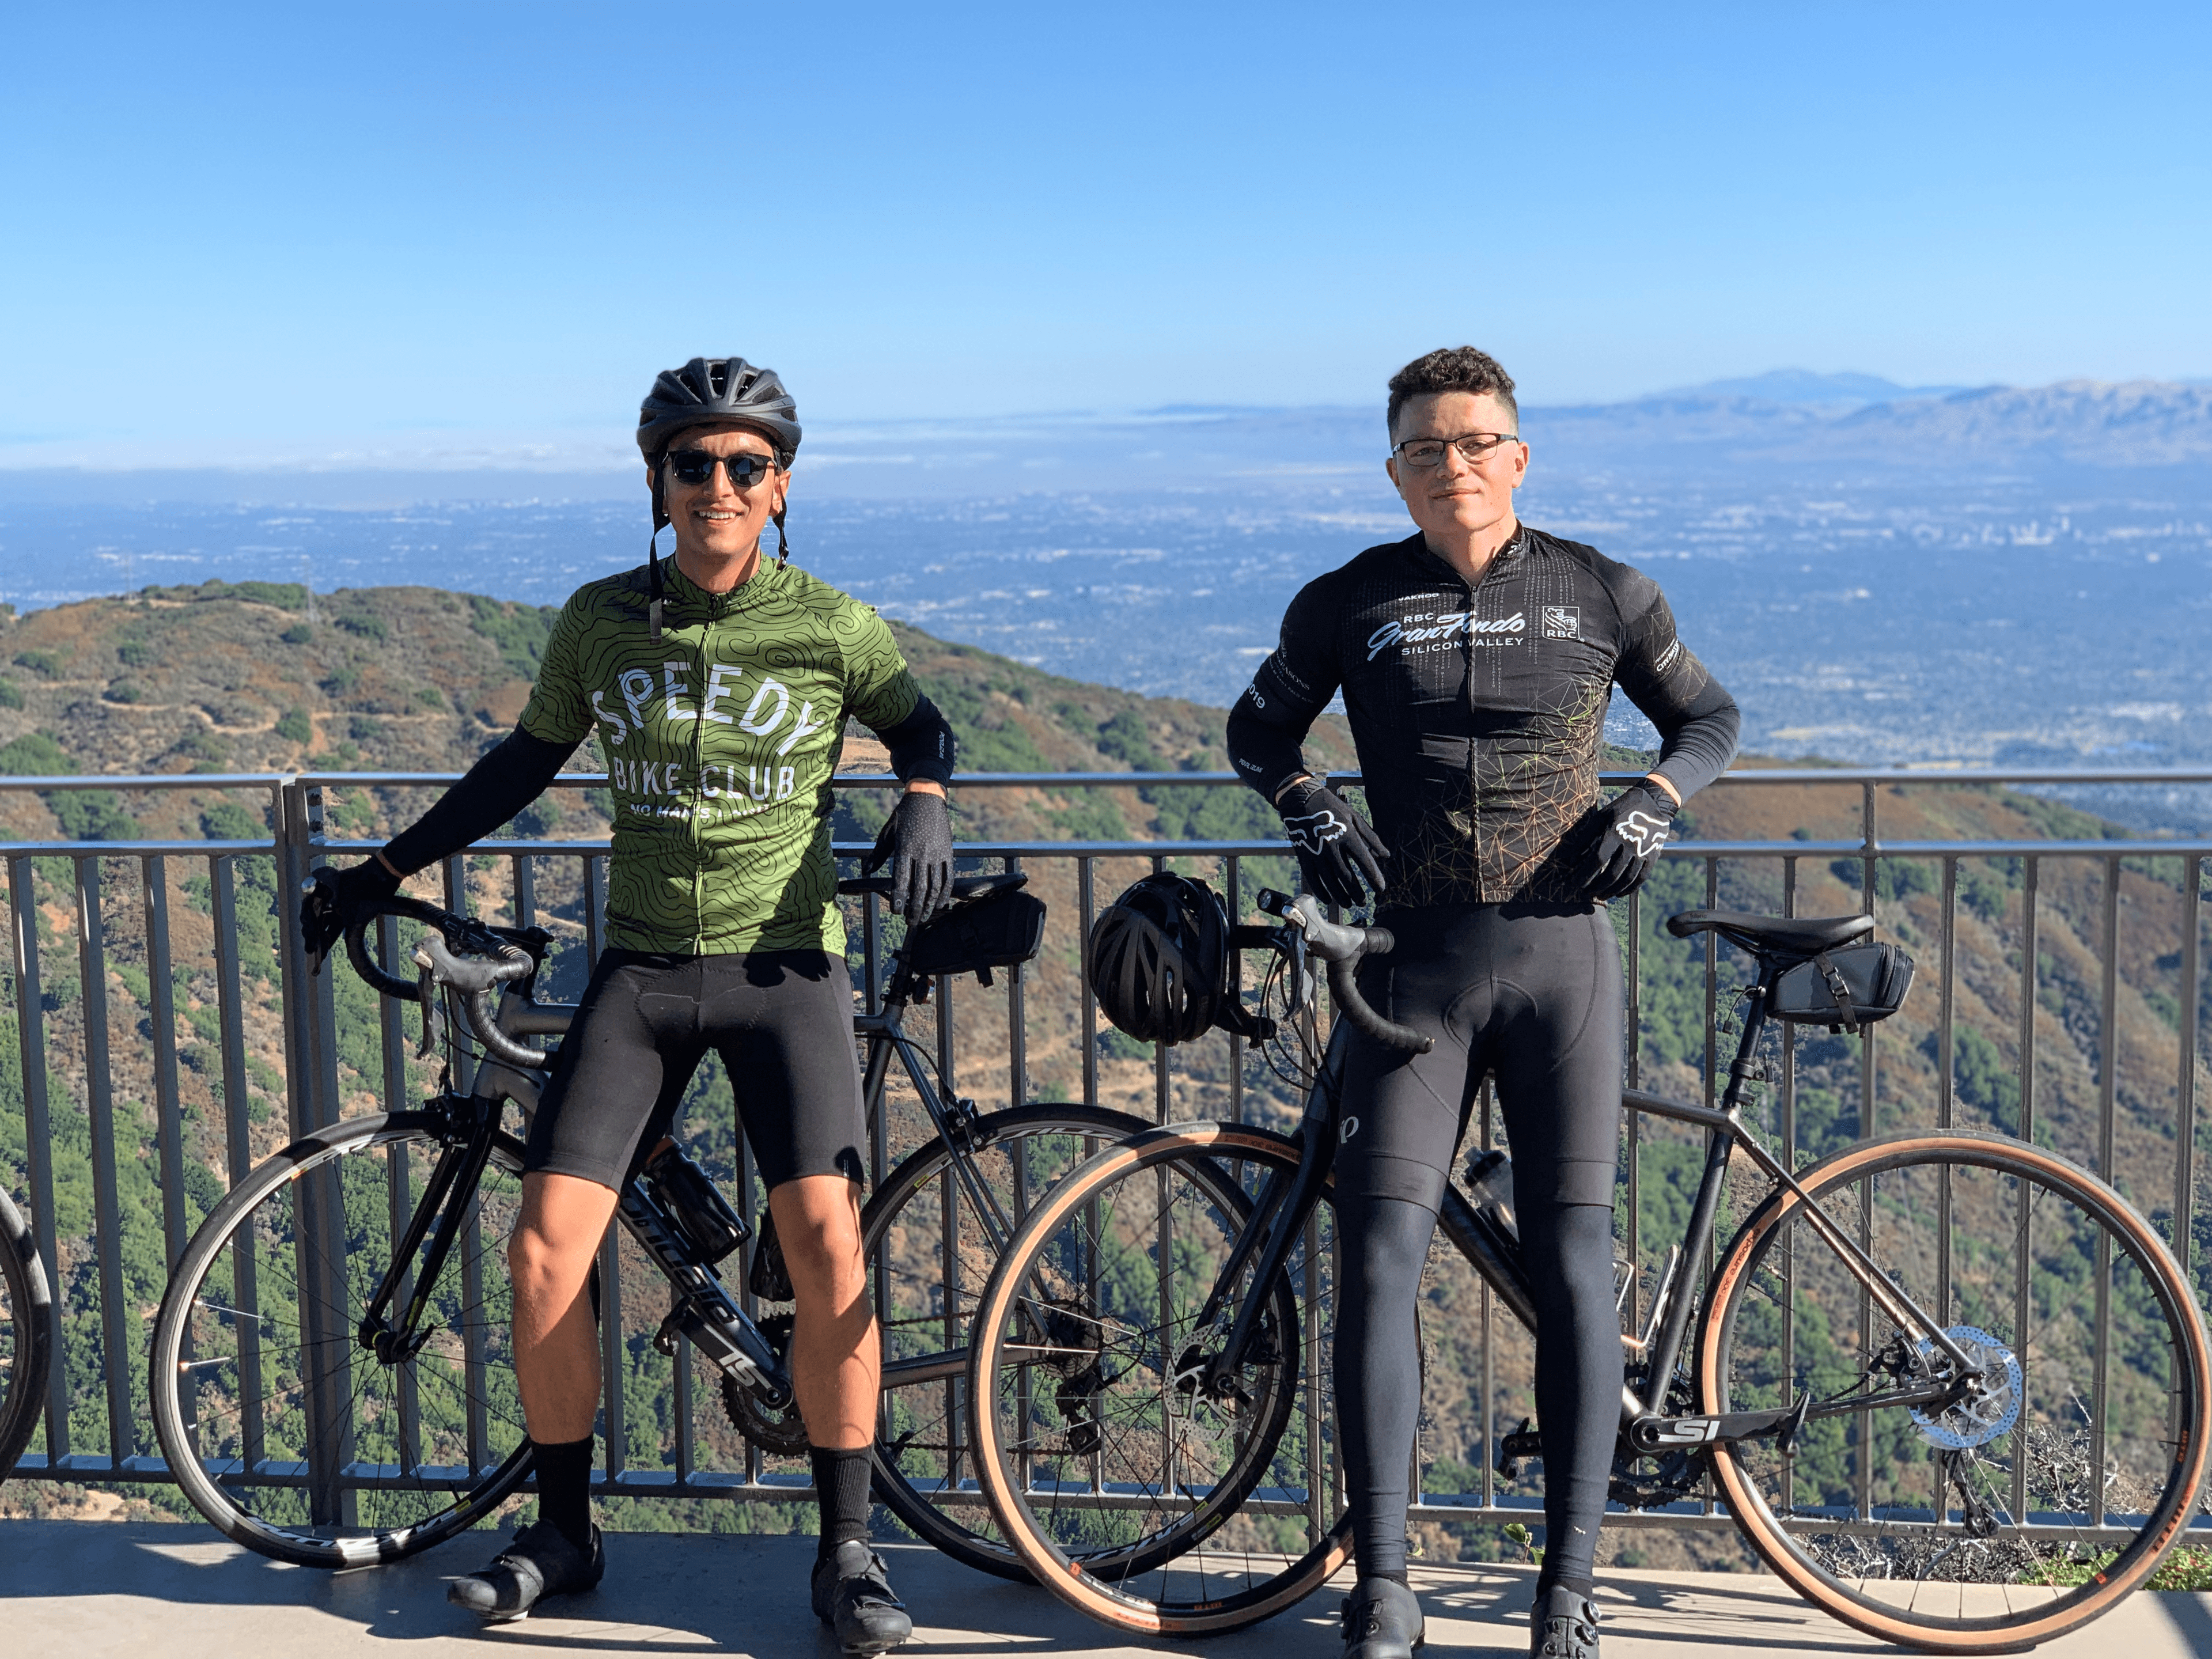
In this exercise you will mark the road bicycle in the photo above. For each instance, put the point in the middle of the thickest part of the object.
(331, 1375)
(1950, 1387)
(27, 1333)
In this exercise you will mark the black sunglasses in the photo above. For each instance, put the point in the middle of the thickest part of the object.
(696, 466)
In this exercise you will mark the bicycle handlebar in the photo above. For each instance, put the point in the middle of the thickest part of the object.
(477, 959)
(1340, 946)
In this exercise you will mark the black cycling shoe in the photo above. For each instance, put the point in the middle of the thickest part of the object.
(1381, 1620)
(1563, 1625)
(853, 1595)
(539, 1562)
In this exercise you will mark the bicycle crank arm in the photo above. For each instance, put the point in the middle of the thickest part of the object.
(732, 1346)
(1655, 1434)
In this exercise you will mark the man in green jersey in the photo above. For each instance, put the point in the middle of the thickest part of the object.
(719, 691)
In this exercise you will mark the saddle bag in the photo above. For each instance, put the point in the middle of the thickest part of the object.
(998, 930)
(1850, 986)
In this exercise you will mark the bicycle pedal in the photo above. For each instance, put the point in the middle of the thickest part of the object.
(1523, 1442)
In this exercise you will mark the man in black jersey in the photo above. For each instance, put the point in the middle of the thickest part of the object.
(1476, 658)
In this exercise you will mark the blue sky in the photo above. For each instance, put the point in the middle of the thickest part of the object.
(239, 223)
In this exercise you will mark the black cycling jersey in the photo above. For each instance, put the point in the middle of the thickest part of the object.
(1478, 712)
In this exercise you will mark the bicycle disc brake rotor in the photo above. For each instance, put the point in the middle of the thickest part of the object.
(1992, 1411)
(782, 1433)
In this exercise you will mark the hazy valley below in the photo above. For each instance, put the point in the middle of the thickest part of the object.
(1992, 577)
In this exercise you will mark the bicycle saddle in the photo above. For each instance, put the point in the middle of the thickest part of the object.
(963, 887)
(1773, 936)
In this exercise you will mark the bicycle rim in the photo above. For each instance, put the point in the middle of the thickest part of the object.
(256, 1354)
(25, 1335)
(929, 1257)
(1148, 1504)
(2084, 1458)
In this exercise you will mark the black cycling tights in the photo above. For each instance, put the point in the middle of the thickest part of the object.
(1530, 996)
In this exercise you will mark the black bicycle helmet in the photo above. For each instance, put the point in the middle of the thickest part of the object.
(717, 392)
(1160, 959)
(711, 392)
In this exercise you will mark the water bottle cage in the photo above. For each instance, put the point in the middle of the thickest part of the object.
(696, 1205)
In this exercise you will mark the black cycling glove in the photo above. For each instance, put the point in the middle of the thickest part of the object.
(335, 899)
(917, 840)
(1630, 829)
(1337, 848)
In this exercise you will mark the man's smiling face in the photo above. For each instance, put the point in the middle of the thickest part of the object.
(714, 520)
(1458, 496)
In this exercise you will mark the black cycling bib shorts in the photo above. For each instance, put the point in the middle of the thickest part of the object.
(781, 1020)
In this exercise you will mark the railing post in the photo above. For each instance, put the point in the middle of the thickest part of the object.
(120, 1361)
(318, 1244)
(37, 1131)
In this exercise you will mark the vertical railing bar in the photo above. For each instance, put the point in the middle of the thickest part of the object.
(237, 1124)
(1787, 1107)
(1159, 1051)
(2185, 1108)
(524, 869)
(162, 1012)
(1946, 1014)
(1018, 1055)
(595, 907)
(2031, 875)
(2108, 1038)
(1862, 1422)
(1232, 878)
(38, 1130)
(1085, 908)
(1712, 983)
(612, 1351)
(398, 1188)
(454, 870)
(118, 1364)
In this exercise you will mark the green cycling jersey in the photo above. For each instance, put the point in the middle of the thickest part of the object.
(720, 740)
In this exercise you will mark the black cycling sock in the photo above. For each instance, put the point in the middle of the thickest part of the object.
(840, 1485)
(564, 1489)
(1378, 1371)
(1569, 1250)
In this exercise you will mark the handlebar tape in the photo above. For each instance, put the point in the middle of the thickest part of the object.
(1366, 1021)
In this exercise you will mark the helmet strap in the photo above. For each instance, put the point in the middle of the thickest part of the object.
(782, 541)
(656, 599)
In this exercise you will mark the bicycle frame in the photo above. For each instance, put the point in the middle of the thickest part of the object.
(704, 1311)
(1286, 1204)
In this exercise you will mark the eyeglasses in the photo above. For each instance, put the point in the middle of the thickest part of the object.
(1429, 452)
(696, 466)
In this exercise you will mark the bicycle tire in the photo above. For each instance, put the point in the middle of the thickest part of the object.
(27, 1333)
(1923, 1177)
(924, 1505)
(415, 1503)
(1220, 1604)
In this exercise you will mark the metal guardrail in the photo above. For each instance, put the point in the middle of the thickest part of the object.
(118, 900)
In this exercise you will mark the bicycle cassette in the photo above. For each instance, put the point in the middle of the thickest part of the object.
(1976, 1421)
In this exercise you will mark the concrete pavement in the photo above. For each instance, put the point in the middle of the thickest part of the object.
(81, 1590)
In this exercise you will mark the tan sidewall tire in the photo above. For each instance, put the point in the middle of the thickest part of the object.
(1086, 1594)
(1756, 1521)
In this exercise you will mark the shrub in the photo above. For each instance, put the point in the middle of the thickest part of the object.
(11, 695)
(297, 634)
(44, 663)
(294, 726)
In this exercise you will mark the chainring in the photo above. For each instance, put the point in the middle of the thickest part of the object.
(1650, 1480)
(780, 1433)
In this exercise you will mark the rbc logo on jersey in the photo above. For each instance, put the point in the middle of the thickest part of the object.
(1563, 621)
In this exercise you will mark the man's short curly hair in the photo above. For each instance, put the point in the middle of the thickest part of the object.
(1456, 368)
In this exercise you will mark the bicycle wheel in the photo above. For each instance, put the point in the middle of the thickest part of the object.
(27, 1333)
(930, 1253)
(1132, 1494)
(2027, 1508)
(256, 1352)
